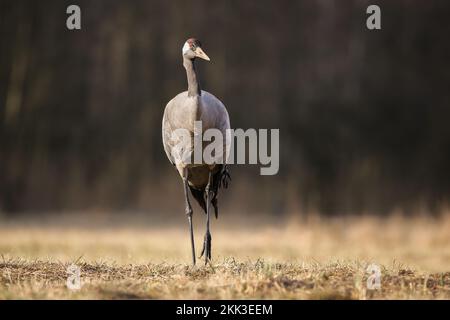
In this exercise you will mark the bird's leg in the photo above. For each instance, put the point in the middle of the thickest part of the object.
(189, 212)
(207, 241)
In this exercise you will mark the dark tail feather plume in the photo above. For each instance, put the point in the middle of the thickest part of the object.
(220, 180)
(198, 195)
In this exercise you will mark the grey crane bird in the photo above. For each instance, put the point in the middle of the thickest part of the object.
(204, 180)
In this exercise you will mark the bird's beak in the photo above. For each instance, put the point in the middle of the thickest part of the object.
(201, 54)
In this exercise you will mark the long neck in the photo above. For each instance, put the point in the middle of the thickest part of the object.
(193, 85)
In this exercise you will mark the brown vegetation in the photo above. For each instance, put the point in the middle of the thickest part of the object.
(314, 259)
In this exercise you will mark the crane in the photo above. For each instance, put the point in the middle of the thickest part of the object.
(182, 112)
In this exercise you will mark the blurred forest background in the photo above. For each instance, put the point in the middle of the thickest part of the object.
(363, 115)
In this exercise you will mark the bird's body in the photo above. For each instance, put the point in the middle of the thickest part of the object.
(183, 112)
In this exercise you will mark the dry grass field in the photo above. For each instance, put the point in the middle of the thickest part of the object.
(270, 259)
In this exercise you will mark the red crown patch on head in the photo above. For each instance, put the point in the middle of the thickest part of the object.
(194, 43)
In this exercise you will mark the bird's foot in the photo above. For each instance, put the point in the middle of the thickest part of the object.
(206, 251)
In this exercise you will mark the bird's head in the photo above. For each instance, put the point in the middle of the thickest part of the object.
(193, 49)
